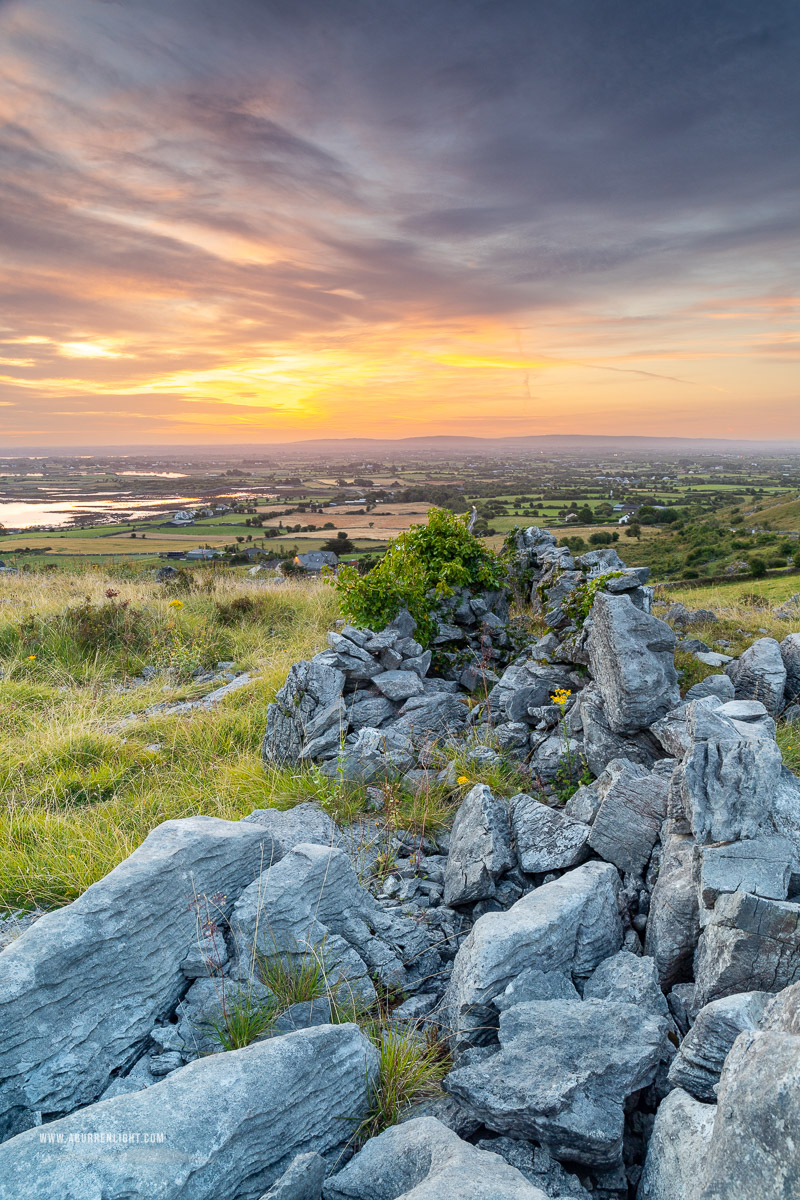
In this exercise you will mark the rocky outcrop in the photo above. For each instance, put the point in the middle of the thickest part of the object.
(81, 989)
(631, 655)
(222, 1126)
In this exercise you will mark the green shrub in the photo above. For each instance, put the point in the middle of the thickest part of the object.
(758, 568)
(419, 568)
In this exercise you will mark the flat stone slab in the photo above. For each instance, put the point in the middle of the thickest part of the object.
(562, 1074)
(763, 866)
(81, 989)
(222, 1126)
(399, 685)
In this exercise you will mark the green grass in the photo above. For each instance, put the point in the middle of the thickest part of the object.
(413, 1064)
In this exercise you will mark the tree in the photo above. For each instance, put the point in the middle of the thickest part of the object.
(634, 530)
(339, 545)
(758, 568)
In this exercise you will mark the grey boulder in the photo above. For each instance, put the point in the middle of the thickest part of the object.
(301, 1181)
(226, 1125)
(790, 655)
(601, 744)
(480, 848)
(719, 686)
(673, 926)
(760, 674)
(632, 660)
(630, 816)
(310, 906)
(677, 1152)
(627, 979)
(546, 840)
(303, 823)
(569, 925)
(81, 989)
(424, 1160)
(310, 689)
(727, 787)
(563, 1074)
(753, 1148)
(698, 1064)
(748, 943)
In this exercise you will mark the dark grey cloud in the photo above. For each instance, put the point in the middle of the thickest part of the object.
(451, 156)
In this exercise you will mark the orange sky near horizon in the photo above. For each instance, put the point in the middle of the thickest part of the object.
(205, 244)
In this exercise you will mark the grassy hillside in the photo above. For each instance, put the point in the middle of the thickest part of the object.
(86, 771)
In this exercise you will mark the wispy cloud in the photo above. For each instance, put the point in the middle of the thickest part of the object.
(333, 219)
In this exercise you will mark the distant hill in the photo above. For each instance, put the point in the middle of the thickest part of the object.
(438, 445)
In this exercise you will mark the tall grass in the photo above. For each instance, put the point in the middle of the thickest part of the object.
(80, 789)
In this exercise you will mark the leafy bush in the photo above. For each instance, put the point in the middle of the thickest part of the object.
(419, 568)
(758, 568)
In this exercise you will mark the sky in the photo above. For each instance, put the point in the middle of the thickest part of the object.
(263, 220)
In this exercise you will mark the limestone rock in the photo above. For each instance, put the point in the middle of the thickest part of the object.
(538, 1166)
(632, 661)
(748, 943)
(81, 989)
(399, 685)
(762, 865)
(676, 1155)
(309, 687)
(629, 819)
(563, 1073)
(311, 904)
(423, 1160)
(753, 1148)
(627, 979)
(569, 925)
(480, 848)
(601, 744)
(673, 926)
(229, 1122)
(790, 655)
(301, 1181)
(726, 788)
(698, 1064)
(546, 840)
(304, 823)
(719, 686)
(760, 674)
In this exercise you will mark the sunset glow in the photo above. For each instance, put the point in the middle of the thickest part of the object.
(332, 221)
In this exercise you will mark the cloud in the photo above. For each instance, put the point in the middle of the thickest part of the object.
(193, 190)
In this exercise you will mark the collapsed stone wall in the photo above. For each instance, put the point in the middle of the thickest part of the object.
(617, 977)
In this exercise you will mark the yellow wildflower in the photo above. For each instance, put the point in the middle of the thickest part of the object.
(31, 658)
(560, 696)
(176, 604)
(462, 779)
